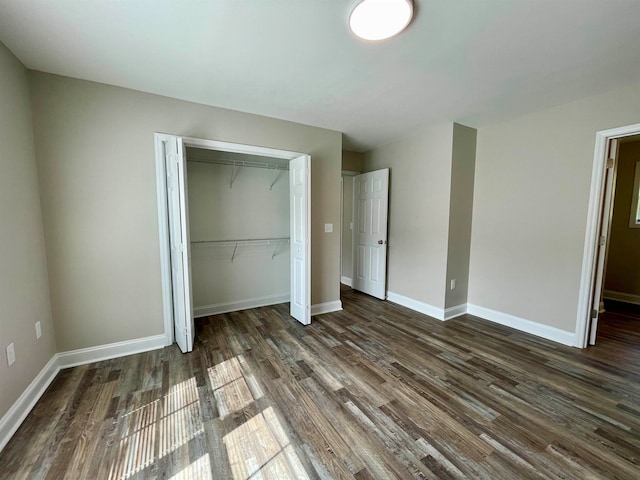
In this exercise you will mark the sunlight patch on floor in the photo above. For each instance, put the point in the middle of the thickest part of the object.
(136, 449)
(233, 389)
(260, 449)
(198, 470)
(257, 449)
(181, 420)
(156, 429)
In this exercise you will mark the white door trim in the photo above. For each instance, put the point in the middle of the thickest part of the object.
(341, 221)
(163, 227)
(348, 174)
(240, 148)
(596, 199)
(161, 193)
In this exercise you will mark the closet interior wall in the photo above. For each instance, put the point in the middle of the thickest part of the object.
(232, 204)
(622, 282)
(352, 165)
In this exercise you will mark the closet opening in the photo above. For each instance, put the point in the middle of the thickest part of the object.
(239, 230)
(234, 230)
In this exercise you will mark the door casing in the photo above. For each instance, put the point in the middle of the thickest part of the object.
(594, 228)
(161, 193)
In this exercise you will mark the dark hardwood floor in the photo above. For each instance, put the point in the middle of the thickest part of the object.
(375, 391)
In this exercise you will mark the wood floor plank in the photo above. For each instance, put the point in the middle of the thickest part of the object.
(375, 391)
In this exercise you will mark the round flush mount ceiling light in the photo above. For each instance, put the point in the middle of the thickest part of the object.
(380, 19)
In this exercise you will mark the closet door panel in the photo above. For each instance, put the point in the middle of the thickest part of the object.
(299, 174)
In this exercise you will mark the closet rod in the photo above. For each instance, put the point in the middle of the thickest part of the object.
(247, 241)
(241, 163)
(243, 241)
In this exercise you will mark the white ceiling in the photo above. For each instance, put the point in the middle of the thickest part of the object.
(470, 61)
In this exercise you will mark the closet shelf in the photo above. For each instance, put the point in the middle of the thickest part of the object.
(236, 165)
(235, 243)
(244, 241)
(241, 163)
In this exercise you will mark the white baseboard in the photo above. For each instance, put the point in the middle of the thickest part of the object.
(326, 307)
(11, 421)
(622, 297)
(425, 308)
(245, 304)
(83, 356)
(345, 280)
(524, 325)
(453, 312)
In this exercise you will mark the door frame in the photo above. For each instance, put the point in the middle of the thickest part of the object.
(350, 175)
(163, 220)
(597, 197)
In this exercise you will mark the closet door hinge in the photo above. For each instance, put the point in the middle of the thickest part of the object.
(610, 163)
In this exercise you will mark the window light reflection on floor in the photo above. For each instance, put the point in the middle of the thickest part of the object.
(156, 429)
(181, 420)
(234, 388)
(136, 449)
(259, 448)
(198, 470)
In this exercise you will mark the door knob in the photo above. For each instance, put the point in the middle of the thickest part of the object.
(380, 242)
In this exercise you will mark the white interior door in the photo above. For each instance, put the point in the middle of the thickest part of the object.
(300, 215)
(603, 241)
(370, 209)
(179, 244)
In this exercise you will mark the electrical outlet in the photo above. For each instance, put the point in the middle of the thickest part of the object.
(328, 227)
(38, 330)
(453, 284)
(11, 354)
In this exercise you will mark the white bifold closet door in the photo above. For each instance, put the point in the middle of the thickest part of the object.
(180, 247)
(300, 215)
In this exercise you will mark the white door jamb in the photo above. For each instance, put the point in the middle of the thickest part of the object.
(596, 199)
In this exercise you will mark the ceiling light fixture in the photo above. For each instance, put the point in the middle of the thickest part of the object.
(380, 19)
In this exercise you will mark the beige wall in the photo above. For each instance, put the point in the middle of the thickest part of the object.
(623, 264)
(463, 161)
(248, 210)
(95, 152)
(347, 232)
(24, 291)
(530, 204)
(419, 193)
(352, 161)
